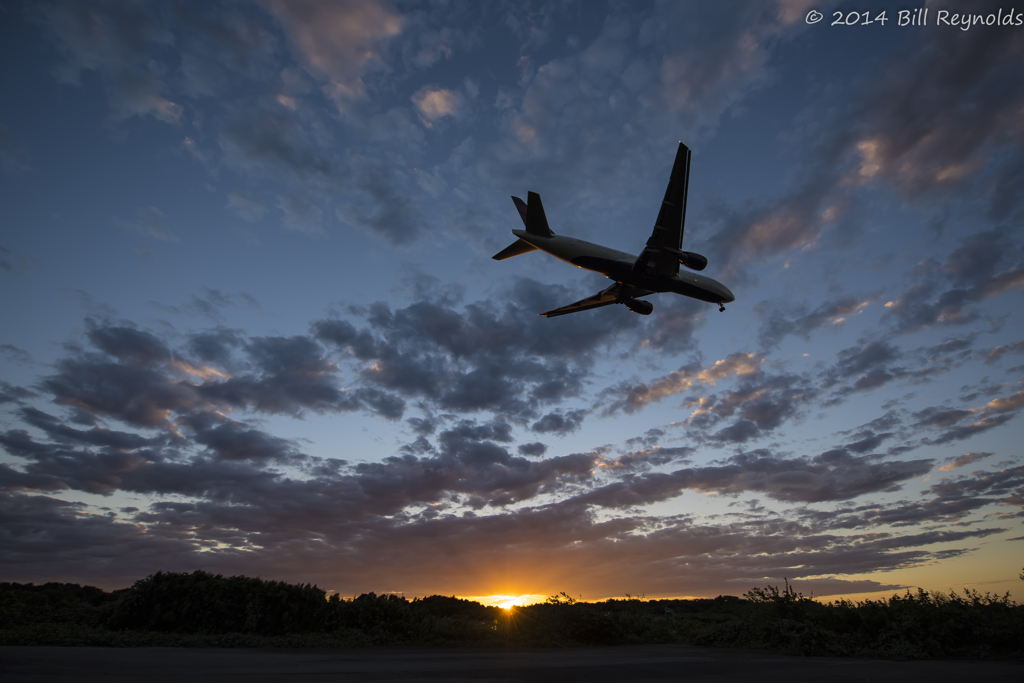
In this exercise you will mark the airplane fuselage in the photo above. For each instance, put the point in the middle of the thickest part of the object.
(619, 266)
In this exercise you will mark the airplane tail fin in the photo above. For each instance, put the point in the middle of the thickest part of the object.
(515, 249)
(532, 213)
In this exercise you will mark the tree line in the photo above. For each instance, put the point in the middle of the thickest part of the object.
(204, 609)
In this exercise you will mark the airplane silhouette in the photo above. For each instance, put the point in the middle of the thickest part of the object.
(656, 269)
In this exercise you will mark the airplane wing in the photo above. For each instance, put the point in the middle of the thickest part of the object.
(605, 297)
(664, 247)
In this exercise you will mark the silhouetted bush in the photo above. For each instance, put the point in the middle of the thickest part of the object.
(54, 603)
(206, 610)
(201, 602)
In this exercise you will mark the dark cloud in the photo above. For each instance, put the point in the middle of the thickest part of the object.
(760, 405)
(868, 441)
(176, 424)
(215, 347)
(780, 321)
(554, 544)
(496, 356)
(560, 423)
(533, 449)
(12, 394)
(125, 44)
(929, 122)
(15, 264)
(300, 214)
(949, 500)
(636, 396)
(132, 346)
(233, 440)
(147, 384)
(276, 142)
(856, 361)
(934, 127)
(338, 44)
(646, 459)
(140, 396)
(958, 424)
(796, 479)
(945, 294)
(765, 230)
(213, 303)
(1003, 349)
(221, 46)
(391, 213)
(964, 460)
(965, 431)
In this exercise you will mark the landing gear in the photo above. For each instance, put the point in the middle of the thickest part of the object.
(721, 308)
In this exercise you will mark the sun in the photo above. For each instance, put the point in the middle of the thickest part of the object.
(506, 602)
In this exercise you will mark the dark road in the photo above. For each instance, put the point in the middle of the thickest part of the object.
(597, 665)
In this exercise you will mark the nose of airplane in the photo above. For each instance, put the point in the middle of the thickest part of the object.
(725, 293)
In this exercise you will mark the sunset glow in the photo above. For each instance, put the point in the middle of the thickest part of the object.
(507, 601)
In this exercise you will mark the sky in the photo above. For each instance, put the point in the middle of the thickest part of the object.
(252, 324)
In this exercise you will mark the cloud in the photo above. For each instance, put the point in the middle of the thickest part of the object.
(533, 449)
(279, 143)
(554, 544)
(929, 123)
(150, 223)
(119, 42)
(222, 46)
(964, 460)
(767, 229)
(792, 480)
(300, 215)
(436, 103)
(952, 499)
(798, 321)
(637, 396)
(943, 294)
(246, 208)
(871, 364)
(496, 356)
(181, 429)
(15, 264)
(339, 43)
(139, 380)
(225, 488)
(646, 459)
(391, 213)
(930, 130)
(996, 412)
(560, 423)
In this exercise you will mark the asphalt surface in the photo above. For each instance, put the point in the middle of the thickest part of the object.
(594, 665)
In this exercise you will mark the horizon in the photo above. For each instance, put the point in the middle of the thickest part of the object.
(253, 325)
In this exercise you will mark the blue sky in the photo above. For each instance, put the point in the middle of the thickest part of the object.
(252, 324)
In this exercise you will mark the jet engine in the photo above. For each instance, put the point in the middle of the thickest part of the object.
(693, 261)
(638, 306)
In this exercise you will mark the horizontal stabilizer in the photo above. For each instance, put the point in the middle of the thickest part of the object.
(515, 249)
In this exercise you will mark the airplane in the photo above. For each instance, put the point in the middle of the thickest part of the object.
(656, 269)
